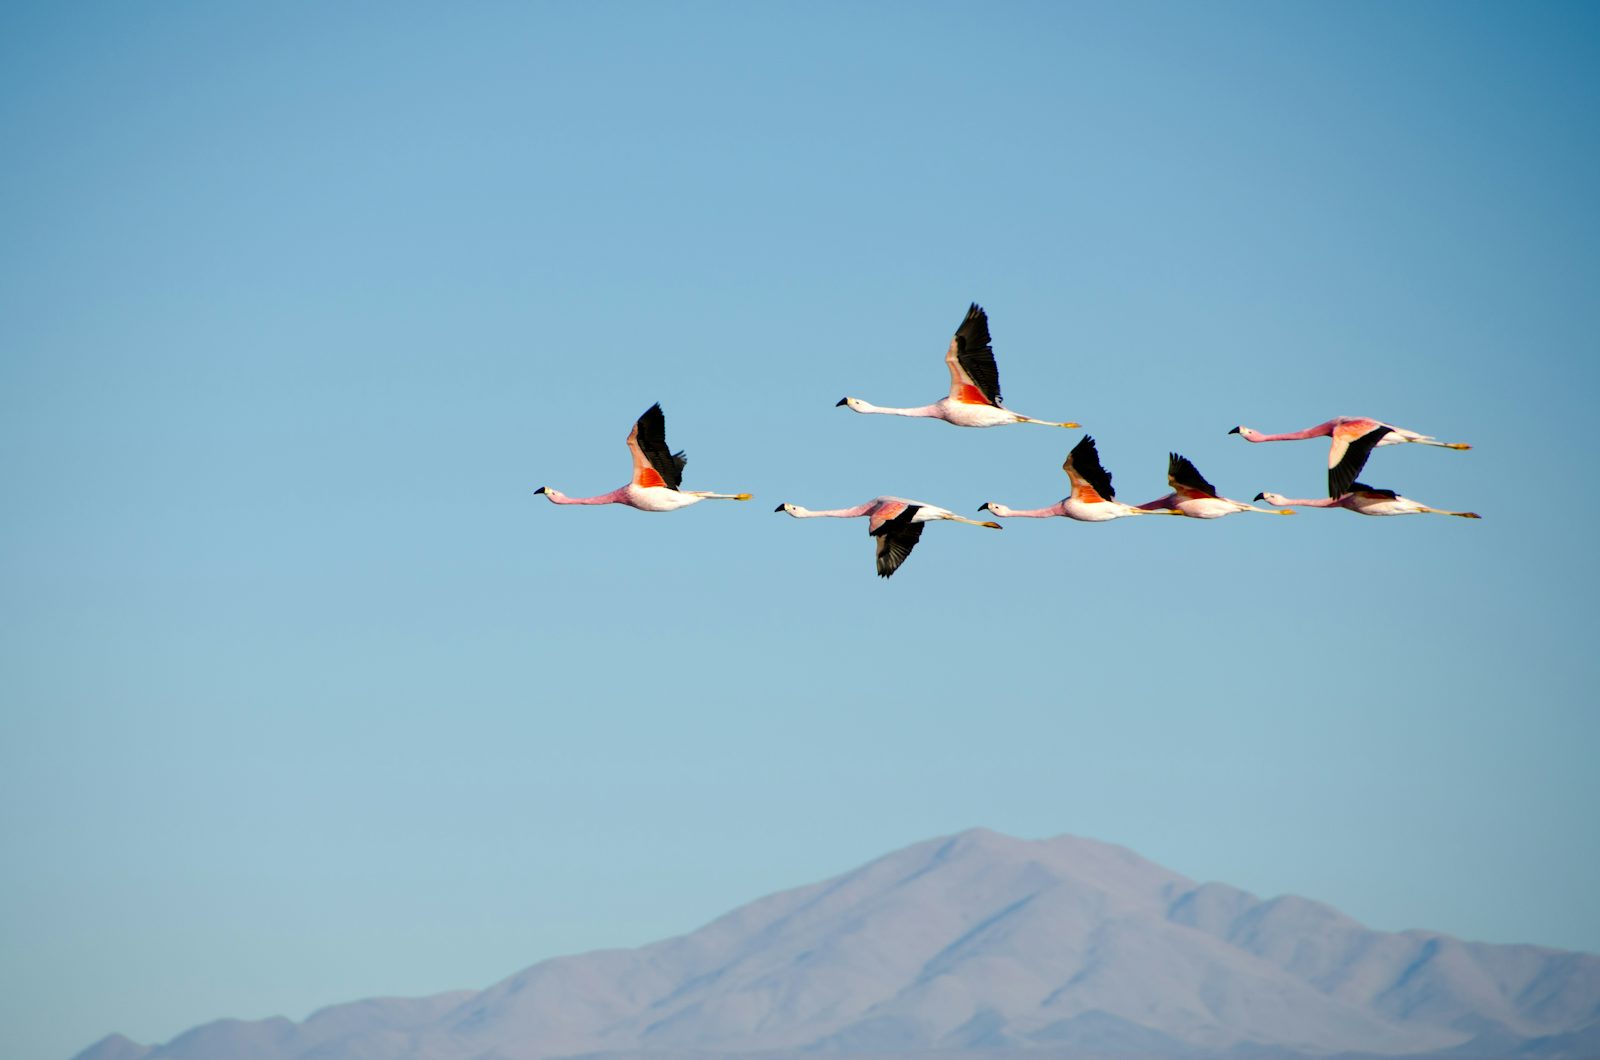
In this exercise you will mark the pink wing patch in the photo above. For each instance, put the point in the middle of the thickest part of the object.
(1350, 430)
(883, 515)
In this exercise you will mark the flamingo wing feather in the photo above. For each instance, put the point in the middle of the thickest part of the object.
(654, 464)
(896, 538)
(1090, 481)
(1353, 454)
(1186, 480)
(974, 378)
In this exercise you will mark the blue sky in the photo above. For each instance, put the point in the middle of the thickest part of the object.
(310, 698)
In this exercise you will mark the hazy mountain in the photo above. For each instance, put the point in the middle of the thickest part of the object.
(981, 943)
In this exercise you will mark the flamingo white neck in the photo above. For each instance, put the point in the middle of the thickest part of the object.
(866, 407)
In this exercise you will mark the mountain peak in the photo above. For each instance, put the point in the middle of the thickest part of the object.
(976, 940)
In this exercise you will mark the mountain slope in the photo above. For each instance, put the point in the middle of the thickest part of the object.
(979, 941)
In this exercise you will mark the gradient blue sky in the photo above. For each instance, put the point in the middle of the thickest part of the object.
(309, 698)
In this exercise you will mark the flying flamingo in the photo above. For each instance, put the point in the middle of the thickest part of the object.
(1365, 500)
(1193, 496)
(974, 399)
(1344, 430)
(1092, 499)
(896, 523)
(657, 471)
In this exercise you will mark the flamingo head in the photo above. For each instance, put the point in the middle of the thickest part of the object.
(785, 507)
(998, 509)
(551, 495)
(1249, 434)
(1272, 498)
(854, 404)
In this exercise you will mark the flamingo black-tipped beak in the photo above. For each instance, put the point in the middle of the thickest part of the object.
(541, 489)
(841, 401)
(779, 508)
(1261, 496)
(1234, 431)
(983, 507)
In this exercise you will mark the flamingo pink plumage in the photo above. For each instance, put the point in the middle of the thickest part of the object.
(657, 473)
(1193, 496)
(1364, 500)
(1092, 499)
(974, 399)
(1344, 430)
(896, 523)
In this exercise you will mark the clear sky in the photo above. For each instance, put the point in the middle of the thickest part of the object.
(308, 697)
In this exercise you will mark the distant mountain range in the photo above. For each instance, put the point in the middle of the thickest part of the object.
(981, 946)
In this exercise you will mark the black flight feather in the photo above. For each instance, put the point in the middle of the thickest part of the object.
(1361, 487)
(1342, 475)
(975, 355)
(896, 538)
(652, 441)
(1183, 473)
(1086, 461)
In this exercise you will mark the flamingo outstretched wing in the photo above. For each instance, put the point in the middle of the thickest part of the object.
(974, 379)
(1090, 482)
(1186, 480)
(1353, 452)
(896, 536)
(653, 463)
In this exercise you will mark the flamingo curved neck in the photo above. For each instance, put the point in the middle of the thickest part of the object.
(1316, 502)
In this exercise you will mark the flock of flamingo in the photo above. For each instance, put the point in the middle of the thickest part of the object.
(974, 401)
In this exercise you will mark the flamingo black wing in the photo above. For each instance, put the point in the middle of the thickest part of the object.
(651, 437)
(1085, 461)
(1184, 477)
(896, 539)
(976, 356)
(1342, 476)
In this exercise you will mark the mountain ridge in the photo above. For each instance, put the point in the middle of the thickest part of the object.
(978, 941)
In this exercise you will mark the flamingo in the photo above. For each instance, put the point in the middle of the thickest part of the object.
(1092, 499)
(657, 471)
(1193, 496)
(1344, 430)
(896, 523)
(1365, 500)
(974, 399)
